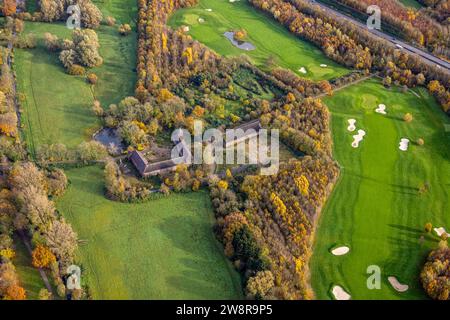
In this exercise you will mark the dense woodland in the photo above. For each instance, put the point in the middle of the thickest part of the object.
(435, 274)
(27, 209)
(414, 25)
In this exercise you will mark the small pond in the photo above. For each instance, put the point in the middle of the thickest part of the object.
(109, 137)
(240, 44)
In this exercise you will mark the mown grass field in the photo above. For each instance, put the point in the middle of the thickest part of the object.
(270, 38)
(162, 249)
(57, 106)
(376, 208)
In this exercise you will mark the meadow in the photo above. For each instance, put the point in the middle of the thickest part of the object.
(376, 208)
(57, 106)
(161, 249)
(270, 38)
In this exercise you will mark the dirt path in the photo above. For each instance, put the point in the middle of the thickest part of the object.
(352, 83)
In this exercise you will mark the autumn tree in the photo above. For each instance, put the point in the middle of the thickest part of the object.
(42, 257)
(260, 285)
(9, 7)
(15, 292)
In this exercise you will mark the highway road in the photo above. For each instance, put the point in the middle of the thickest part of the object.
(426, 56)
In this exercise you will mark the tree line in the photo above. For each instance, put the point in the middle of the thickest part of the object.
(347, 44)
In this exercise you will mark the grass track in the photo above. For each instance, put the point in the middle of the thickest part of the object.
(269, 37)
(375, 207)
(162, 249)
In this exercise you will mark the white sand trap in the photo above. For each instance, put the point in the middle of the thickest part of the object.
(381, 109)
(340, 251)
(201, 20)
(340, 294)
(233, 1)
(186, 29)
(404, 143)
(399, 287)
(351, 125)
(358, 138)
(302, 70)
(323, 66)
(209, 10)
(440, 231)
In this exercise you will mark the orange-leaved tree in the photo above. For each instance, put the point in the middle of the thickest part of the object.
(42, 257)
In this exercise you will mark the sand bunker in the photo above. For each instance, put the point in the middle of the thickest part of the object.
(323, 66)
(201, 20)
(340, 294)
(381, 109)
(340, 251)
(399, 287)
(358, 138)
(185, 29)
(302, 70)
(404, 143)
(233, 1)
(440, 231)
(209, 10)
(351, 125)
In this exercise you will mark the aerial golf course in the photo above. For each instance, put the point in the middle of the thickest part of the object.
(384, 195)
(166, 248)
(376, 208)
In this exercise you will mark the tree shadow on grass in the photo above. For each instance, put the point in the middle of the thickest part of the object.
(206, 274)
(406, 228)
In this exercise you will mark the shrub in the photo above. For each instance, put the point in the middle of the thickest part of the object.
(408, 117)
(76, 70)
(92, 78)
(110, 21)
(15, 292)
(240, 35)
(124, 29)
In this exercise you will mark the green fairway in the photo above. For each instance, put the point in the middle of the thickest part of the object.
(29, 276)
(57, 106)
(270, 38)
(376, 208)
(162, 249)
(117, 76)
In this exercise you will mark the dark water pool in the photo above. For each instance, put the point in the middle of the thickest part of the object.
(109, 137)
(240, 44)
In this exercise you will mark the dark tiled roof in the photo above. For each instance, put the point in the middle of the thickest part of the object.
(139, 161)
